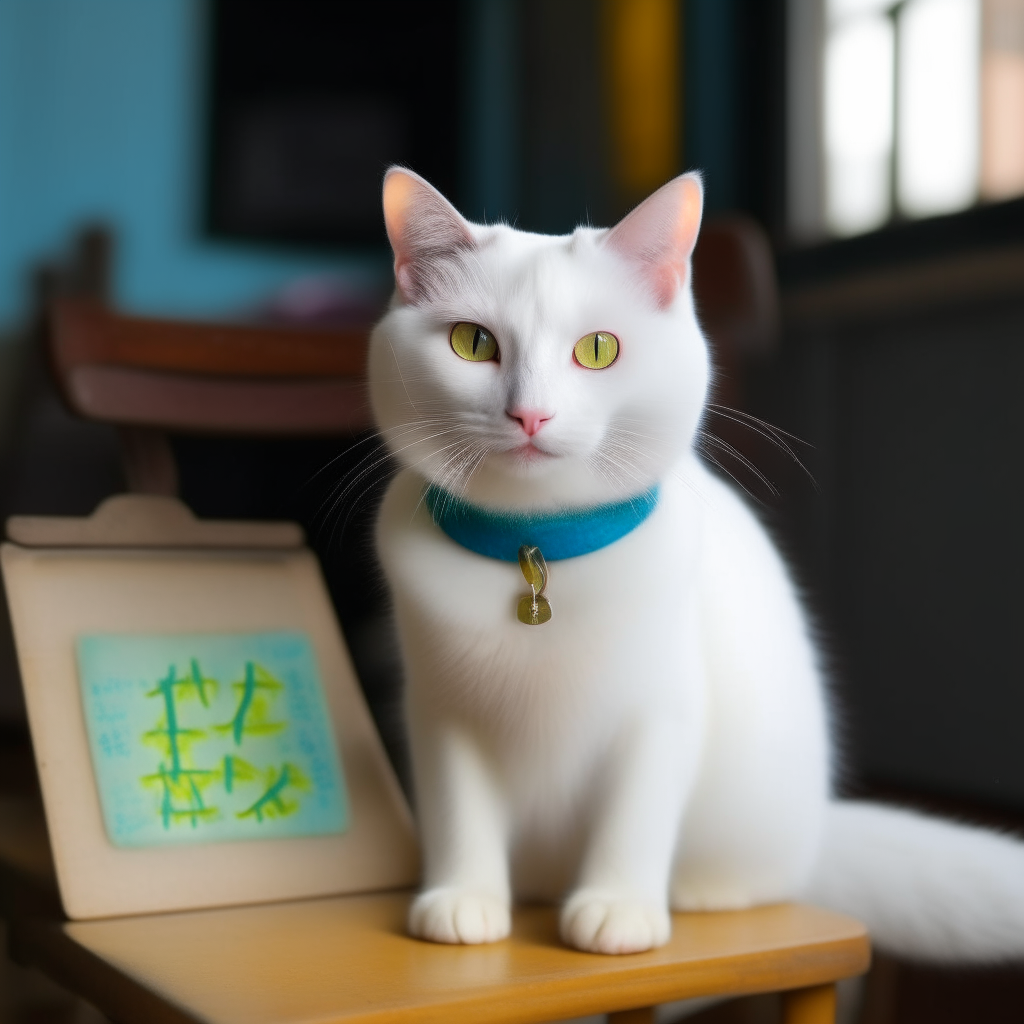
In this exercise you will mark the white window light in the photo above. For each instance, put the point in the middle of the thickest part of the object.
(937, 151)
(904, 108)
(839, 10)
(858, 122)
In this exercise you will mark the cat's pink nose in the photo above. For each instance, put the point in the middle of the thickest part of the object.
(531, 420)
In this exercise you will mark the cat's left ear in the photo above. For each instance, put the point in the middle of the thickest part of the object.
(422, 227)
(659, 235)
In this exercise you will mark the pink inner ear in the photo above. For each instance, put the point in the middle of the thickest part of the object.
(666, 281)
(422, 227)
(659, 235)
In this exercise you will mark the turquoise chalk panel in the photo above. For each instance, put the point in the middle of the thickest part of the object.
(209, 738)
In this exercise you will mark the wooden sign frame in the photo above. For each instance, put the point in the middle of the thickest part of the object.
(144, 565)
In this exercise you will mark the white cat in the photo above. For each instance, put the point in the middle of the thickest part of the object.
(663, 740)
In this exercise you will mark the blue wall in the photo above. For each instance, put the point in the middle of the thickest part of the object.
(101, 119)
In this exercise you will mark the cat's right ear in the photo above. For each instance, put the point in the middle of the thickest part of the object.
(422, 227)
(659, 235)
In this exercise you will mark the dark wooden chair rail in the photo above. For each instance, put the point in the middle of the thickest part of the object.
(144, 373)
(85, 332)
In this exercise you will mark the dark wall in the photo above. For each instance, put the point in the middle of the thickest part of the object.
(501, 103)
(911, 548)
(734, 104)
(309, 102)
(565, 176)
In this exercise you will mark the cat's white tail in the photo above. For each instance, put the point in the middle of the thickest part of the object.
(927, 889)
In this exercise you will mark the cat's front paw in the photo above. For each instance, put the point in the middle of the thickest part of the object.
(599, 921)
(459, 916)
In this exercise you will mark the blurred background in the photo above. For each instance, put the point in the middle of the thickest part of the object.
(221, 160)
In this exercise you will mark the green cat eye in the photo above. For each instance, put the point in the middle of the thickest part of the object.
(596, 351)
(473, 342)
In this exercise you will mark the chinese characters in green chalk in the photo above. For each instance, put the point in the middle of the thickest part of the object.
(193, 791)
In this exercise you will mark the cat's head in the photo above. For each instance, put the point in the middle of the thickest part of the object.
(531, 371)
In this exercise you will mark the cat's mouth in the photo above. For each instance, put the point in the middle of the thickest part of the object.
(528, 452)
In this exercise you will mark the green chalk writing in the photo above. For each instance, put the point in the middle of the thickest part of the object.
(210, 737)
(183, 783)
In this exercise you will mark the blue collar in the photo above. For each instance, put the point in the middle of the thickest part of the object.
(563, 534)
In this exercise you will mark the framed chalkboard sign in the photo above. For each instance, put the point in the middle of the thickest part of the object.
(200, 735)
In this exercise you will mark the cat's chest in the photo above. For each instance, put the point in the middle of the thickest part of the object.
(459, 605)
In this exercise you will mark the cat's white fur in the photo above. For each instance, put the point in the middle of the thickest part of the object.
(663, 741)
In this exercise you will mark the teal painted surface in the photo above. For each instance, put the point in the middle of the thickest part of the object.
(710, 97)
(101, 119)
(491, 161)
(210, 738)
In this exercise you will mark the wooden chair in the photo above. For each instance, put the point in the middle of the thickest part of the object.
(150, 376)
(347, 960)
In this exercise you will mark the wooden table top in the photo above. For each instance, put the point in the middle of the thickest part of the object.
(347, 960)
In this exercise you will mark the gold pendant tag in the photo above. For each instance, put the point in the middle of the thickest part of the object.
(533, 609)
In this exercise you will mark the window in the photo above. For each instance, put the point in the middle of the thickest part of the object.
(921, 109)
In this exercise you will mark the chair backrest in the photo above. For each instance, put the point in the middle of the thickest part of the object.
(735, 288)
(207, 378)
